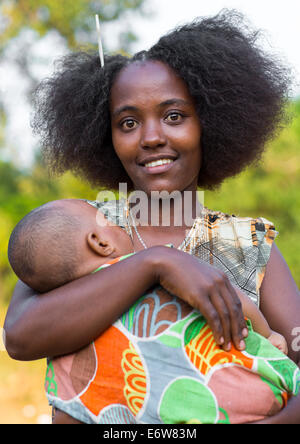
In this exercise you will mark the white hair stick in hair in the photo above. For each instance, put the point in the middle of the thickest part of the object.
(101, 55)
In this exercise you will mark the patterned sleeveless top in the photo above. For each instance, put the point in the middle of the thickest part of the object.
(238, 246)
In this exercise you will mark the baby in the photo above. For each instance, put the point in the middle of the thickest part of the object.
(64, 240)
(61, 241)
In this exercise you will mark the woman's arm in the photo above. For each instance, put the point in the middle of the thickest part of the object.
(280, 301)
(280, 304)
(289, 415)
(68, 318)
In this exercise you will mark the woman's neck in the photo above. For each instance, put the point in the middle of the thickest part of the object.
(176, 209)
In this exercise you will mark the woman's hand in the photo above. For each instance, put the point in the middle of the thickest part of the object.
(206, 289)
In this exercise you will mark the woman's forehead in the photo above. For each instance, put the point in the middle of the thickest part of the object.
(142, 80)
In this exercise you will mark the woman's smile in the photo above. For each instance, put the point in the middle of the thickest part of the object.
(159, 166)
(155, 128)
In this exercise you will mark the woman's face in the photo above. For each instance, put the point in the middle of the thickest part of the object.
(155, 128)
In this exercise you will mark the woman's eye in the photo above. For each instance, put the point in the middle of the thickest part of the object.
(129, 124)
(174, 117)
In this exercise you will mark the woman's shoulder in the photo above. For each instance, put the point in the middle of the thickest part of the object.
(233, 218)
(113, 210)
(247, 230)
(240, 246)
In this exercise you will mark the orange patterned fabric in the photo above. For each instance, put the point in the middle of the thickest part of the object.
(119, 374)
(205, 353)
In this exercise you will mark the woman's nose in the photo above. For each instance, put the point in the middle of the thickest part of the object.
(152, 135)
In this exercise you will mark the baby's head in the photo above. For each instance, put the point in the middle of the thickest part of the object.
(62, 241)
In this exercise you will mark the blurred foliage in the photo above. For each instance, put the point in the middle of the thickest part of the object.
(23, 400)
(74, 20)
(2, 125)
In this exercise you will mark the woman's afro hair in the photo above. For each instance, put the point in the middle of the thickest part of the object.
(241, 96)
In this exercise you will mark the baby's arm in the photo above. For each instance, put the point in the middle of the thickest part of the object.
(259, 322)
(251, 311)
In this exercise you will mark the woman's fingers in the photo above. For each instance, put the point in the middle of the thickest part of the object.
(224, 316)
(209, 311)
(229, 308)
(208, 290)
(237, 320)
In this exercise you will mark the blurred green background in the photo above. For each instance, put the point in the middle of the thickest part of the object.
(271, 190)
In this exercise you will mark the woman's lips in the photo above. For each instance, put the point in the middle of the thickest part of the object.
(158, 168)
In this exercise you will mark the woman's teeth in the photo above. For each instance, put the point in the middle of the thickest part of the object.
(158, 162)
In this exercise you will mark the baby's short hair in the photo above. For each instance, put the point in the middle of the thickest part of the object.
(42, 248)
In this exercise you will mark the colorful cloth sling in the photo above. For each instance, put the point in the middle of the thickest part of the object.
(159, 362)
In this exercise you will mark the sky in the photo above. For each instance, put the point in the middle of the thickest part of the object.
(279, 19)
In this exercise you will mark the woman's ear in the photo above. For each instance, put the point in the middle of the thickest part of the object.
(99, 245)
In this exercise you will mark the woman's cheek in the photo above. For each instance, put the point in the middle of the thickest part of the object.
(118, 143)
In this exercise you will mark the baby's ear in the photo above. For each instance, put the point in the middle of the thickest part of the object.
(99, 245)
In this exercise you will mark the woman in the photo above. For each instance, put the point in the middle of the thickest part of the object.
(207, 99)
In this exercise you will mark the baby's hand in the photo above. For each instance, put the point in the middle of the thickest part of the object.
(278, 341)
